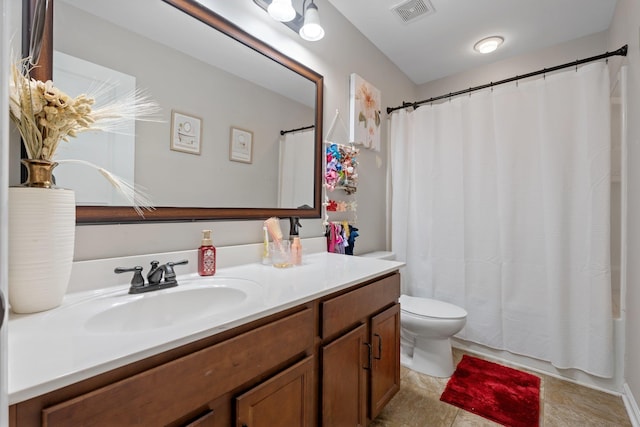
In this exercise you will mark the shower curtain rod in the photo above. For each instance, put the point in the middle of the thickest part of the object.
(282, 132)
(620, 52)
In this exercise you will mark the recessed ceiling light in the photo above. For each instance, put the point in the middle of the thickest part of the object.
(488, 45)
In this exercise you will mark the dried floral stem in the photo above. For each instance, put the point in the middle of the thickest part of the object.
(136, 196)
(45, 116)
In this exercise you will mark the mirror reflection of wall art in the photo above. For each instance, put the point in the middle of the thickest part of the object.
(186, 132)
(364, 109)
(241, 145)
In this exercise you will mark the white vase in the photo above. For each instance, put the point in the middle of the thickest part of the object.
(42, 225)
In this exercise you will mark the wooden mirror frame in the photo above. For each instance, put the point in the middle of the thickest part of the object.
(123, 214)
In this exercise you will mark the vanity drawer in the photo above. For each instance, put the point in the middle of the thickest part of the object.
(345, 310)
(166, 393)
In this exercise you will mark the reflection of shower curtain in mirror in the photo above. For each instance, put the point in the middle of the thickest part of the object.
(295, 187)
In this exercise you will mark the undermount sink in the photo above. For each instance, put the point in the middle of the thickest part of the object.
(190, 301)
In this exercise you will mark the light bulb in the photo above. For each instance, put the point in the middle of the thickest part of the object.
(281, 10)
(488, 45)
(312, 30)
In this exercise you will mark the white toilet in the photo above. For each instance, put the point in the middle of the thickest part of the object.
(427, 326)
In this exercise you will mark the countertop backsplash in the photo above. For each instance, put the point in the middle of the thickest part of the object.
(98, 273)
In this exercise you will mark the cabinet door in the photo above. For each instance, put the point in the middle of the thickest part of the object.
(285, 400)
(206, 420)
(385, 369)
(344, 379)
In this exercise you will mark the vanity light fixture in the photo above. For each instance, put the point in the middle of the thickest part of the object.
(488, 44)
(304, 20)
(281, 10)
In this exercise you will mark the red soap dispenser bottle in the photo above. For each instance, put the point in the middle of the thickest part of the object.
(206, 255)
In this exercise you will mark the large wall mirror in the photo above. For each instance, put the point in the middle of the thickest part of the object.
(217, 151)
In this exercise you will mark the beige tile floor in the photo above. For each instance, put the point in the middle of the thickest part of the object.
(562, 404)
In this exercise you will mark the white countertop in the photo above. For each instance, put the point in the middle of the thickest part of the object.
(52, 349)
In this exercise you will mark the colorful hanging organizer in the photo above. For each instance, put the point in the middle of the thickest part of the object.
(341, 185)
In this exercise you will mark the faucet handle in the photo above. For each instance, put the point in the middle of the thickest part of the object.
(137, 280)
(169, 272)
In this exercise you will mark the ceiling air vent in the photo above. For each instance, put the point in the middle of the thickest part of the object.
(411, 10)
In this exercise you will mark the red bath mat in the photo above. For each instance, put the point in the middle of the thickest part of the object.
(501, 394)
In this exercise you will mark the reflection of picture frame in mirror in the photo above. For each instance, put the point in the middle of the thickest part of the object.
(241, 145)
(186, 133)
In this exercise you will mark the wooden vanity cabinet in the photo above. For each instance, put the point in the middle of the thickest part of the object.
(333, 361)
(196, 389)
(360, 352)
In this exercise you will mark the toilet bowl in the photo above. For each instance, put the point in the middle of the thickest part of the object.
(426, 328)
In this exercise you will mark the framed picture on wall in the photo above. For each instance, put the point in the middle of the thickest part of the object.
(241, 145)
(364, 113)
(186, 133)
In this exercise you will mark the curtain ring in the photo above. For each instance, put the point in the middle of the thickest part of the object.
(576, 65)
(517, 81)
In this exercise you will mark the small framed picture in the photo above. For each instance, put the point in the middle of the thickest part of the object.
(186, 133)
(241, 145)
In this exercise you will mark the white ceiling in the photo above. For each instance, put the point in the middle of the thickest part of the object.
(441, 44)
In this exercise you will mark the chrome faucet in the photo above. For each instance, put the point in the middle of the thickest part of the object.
(154, 277)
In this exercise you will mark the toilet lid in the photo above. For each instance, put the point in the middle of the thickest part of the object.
(428, 307)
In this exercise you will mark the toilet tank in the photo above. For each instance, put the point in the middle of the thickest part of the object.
(380, 255)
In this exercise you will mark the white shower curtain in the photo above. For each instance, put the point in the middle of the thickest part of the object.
(295, 181)
(501, 205)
